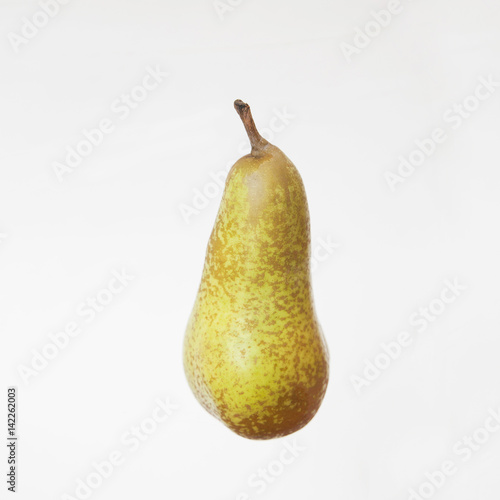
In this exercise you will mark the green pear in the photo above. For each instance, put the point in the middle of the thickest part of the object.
(254, 353)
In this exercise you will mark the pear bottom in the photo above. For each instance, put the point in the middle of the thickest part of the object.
(261, 386)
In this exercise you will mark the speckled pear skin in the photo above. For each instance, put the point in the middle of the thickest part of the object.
(254, 353)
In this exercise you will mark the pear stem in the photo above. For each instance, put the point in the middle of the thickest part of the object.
(256, 140)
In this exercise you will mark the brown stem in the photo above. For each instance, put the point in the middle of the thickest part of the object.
(256, 140)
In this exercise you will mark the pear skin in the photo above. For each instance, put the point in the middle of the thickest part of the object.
(254, 353)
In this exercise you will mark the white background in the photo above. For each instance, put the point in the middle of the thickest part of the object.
(120, 209)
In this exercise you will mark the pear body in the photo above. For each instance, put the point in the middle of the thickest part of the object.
(254, 353)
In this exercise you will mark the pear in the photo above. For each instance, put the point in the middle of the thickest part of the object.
(254, 353)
